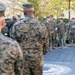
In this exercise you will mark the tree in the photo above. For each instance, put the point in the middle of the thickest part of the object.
(51, 7)
(42, 7)
(70, 5)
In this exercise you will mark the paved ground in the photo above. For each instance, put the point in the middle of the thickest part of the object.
(60, 62)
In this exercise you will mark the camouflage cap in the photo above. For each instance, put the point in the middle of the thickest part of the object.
(28, 6)
(2, 7)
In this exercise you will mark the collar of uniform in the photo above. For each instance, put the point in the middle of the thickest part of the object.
(30, 17)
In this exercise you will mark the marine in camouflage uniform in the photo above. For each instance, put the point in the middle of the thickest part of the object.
(72, 32)
(62, 31)
(50, 25)
(32, 37)
(69, 39)
(52, 31)
(10, 53)
(46, 22)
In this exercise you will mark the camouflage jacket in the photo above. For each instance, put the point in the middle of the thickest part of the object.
(10, 56)
(31, 34)
(72, 28)
(48, 27)
(52, 26)
(62, 28)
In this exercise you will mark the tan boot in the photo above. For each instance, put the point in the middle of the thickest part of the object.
(70, 45)
(50, 50)
(60, 47)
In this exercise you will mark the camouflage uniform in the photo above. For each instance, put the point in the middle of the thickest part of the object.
(56, 36)
(68, 32)
(72, 33)
(11, 23)
(32, 37)
(10, 57)
(50, 25)
(10, 53)
(62, 29)
(52, 34)
(48, 30)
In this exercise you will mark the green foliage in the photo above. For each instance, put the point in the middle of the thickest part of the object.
(42, 7)
(64, 19)
(57, 20)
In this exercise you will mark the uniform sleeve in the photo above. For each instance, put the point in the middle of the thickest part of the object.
(55, 26)
(15, 33)
(12, 30)
(48, 30)
(58, 28)
(45, 40)
(66, 30)
(19, 62)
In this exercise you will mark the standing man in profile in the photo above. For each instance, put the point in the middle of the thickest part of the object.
(48, 26)
(10, 53)
(33, 37)
(72, 32)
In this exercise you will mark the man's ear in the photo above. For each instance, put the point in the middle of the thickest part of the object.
(3, 23)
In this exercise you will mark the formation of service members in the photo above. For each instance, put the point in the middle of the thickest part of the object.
(33, 38)
(11, 56)
(54, 38)
(61, 32)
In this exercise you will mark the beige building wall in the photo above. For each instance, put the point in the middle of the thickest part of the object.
(72, 14)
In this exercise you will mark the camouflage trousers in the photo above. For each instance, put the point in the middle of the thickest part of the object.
(33, 64)
(72, 38)
(52, 40)
(62, 40)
